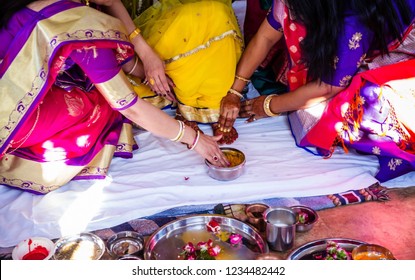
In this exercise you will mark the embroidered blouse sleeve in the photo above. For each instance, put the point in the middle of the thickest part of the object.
(351, 52)
(102, 68)
(272, 16)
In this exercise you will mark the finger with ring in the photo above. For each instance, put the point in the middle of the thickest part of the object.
(151, 81)
(215, 158)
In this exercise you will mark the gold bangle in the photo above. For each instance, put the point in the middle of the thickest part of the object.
(231, 90)
(134, 34)
(242, 78)
(267, 103)
(180, 133)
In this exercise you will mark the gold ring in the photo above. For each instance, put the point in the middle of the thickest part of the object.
(151, 81)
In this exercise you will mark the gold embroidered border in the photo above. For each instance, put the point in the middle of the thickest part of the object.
(145, 93)
(201, 115)
(117, 91)
(228, 33)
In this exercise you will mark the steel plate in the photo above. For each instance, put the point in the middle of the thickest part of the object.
(168, 241)
(318, 247)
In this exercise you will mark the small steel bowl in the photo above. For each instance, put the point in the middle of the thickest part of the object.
(125, 244)
(371, 252)
(83, 246)
(312, 217)
(237, 167)
(255, 212)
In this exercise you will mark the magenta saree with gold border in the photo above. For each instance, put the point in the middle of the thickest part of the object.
(55, 126)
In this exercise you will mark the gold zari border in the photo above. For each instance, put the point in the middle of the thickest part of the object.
(202, 115)
(228, 33)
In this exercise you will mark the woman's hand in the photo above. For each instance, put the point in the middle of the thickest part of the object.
(229, 110)
(208, 148)
(156, 77)
(253, 109)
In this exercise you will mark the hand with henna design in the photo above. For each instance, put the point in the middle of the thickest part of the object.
(253, 109)
(229, 110)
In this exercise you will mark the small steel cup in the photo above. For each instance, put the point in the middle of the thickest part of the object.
(280, 230)
(255, 214)
(125, 244)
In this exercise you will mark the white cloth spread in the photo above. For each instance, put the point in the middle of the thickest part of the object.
(164, 174)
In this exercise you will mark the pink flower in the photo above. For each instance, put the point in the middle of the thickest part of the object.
(203, 246)
(189, 248)
(214, 251)
(210, 242)
(235, 239)
(191, 257)
(213, 226)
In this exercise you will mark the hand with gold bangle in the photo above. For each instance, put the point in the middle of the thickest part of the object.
(258, 108)
(267, 104)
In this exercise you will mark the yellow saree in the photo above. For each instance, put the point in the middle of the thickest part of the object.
(201, 43)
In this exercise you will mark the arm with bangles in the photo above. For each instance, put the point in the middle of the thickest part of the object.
(268, 106)
(161, 124)
(304, 97)
(252, 57)
(116, 9)
(101, 66)
(148, 65)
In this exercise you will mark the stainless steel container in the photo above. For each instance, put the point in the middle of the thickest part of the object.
(236, 157)
(166, 243)
(125, 244)
(83, 246)
(312, 217)
(281, 226)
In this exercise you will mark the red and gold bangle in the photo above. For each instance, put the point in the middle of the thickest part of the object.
(267, 103)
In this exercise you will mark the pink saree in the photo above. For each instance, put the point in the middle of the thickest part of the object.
(55, 126)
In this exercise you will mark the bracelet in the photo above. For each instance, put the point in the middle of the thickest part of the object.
(134, 34)
(242, 78)
(180, 134)
(194, 141)
(135, 66)
(267, 103)
(231, 90)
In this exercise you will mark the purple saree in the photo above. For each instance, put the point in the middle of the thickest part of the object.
(374, 113)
